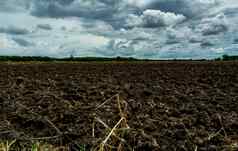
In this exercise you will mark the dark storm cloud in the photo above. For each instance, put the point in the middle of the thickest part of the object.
(194, 40)
(22, 42)
(140, 39)
(112, 11)
(206, 44)
(108, 9)
(44, 26)
(172, 41)
(176, 6)
(235, 41)
(62, 2)
(82, 8)
(14, 30)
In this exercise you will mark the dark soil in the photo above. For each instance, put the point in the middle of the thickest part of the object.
(180, 106)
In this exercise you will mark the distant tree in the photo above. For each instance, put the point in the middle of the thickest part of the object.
(225, 57)
(218, 59)
(72, 57)
(229, 58)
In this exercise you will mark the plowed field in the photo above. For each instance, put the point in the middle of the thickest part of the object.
(167, 106)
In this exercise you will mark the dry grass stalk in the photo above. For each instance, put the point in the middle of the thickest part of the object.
(6, 146)
(218, 132)
(102, 145)
(99, 106)
(122, 107)
(122, 110)
(93, 129)
(107, 127)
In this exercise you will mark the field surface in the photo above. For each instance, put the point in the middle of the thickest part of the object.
(167, 106)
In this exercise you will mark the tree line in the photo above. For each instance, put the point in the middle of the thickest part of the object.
(227, 58)
(49, 59)
(39, 58)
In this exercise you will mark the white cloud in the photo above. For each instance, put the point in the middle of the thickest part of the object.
(218, 50)
(152, 18)
(9, 46)
(55, 42)
(140, 28)
(155, 18)
(3, 41)
(213, 26)
(134, 21)
(139, 3)
(179, 35)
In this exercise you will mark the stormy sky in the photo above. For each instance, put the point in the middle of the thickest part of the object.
(129, 28)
